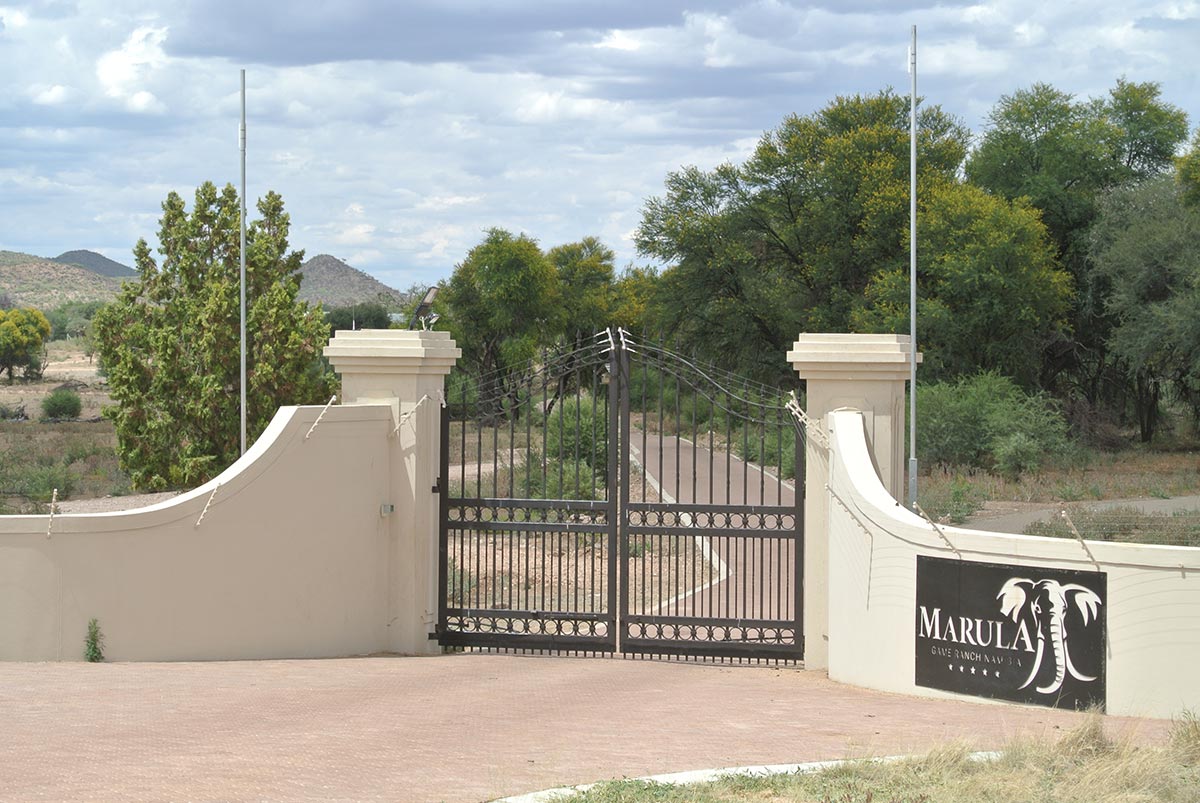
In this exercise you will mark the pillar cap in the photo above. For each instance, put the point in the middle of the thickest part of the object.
(847, 356)
(387, 351)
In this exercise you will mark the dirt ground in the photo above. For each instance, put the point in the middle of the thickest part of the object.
(68, 365)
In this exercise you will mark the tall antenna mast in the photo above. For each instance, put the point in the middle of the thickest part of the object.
(912, 277)
(242, 264)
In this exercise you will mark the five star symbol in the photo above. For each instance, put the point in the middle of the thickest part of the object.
(963, 668)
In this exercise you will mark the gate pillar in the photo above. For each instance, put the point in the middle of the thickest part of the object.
(866, 373)
(406, 370)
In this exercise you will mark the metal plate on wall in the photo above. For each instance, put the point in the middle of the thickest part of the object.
(1021, 633)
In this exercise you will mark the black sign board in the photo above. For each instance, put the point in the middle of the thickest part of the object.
(1020, 633)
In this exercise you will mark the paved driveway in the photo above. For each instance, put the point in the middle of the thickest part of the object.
(453, 728)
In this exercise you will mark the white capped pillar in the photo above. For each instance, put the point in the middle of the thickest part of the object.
(862, 372)
(406, 370)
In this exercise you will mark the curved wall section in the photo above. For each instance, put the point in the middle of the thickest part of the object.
(1150, 612)
(290, 559)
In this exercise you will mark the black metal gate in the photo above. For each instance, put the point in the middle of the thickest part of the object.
(620, 497)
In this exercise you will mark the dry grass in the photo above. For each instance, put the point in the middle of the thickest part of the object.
(1131, 474)
(1085, 766)
(79, 459)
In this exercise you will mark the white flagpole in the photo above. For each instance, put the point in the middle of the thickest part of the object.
(912, 278)
(242, 264)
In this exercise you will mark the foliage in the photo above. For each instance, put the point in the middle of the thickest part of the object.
(72, 318)
(991, 295)
(635, 301)
(1146, 245)
(503, 302)
(577, 432)
(987, 420)
(954, 502)
(1061, 154)
(170, 340)
(368, 315)
(543, 476)
(93, 644)
(585, 277)
(811, 234)
(60, 404)
(23, 336)
(1187, 172)
(1124, 523)
(79, 459)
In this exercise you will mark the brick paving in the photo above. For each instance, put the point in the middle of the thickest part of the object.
(450, 728)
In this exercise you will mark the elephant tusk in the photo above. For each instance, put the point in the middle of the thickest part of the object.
(1075, 673)
(1037, 662)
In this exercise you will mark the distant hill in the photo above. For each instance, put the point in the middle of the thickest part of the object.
(332, 282)
(96, 263)
(44, 283)
(32, 281)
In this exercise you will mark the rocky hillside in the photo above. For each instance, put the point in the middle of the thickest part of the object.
(31, 281)
(332, 282)
(96, 263)
(44, 283)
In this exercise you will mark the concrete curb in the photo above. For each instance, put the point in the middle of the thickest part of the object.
(706, 776)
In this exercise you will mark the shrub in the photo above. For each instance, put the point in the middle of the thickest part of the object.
(61, 404)
(577, 431)
(93, 644)
(986, 421)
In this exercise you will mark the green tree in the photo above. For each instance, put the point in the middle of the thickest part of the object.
(1187, 172)
(503, 302)
(586, 284)
(23, 335)
(368, 315)
(1062, 154)
(1146, 245)
(634, 301)
(170, 342)
(789, 241)
(990, 291)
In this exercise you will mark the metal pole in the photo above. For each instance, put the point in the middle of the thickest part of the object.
(242, 265)
(912, 278)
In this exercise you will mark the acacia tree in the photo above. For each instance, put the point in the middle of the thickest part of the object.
(170, 342)
(502, 304)
(23, 335)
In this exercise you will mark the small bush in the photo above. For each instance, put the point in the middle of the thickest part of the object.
(12, 412)
(62, 404)
(986, 421)
(93, 644)
(577, 432)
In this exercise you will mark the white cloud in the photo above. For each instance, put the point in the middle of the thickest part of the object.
(12, 18)
(355, 234)
(620, 40)
(123, 73)
(442, 202)
(50, 95)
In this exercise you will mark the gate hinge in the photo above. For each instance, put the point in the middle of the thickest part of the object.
(437, 486)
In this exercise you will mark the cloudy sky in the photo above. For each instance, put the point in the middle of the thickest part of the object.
(398, 131)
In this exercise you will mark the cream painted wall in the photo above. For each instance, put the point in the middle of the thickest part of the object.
(290, 560)
(1153, 591)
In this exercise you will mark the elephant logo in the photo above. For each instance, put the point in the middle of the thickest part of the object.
(1047, 603)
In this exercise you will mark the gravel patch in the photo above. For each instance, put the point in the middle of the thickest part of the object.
(109, 504)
